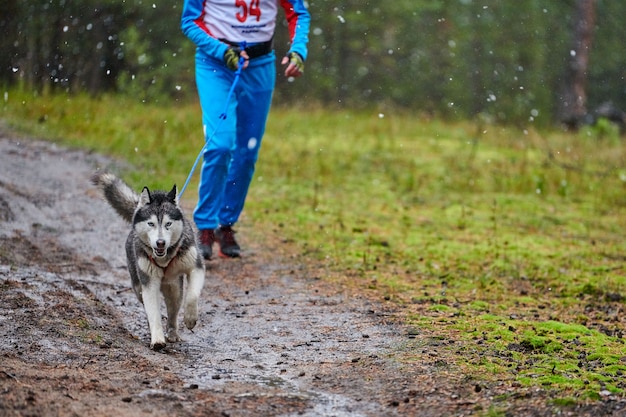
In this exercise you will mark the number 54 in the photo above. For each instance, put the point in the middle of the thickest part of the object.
(253, 9)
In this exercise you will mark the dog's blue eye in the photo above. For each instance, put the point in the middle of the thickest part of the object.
(151, 224)
(168, 225)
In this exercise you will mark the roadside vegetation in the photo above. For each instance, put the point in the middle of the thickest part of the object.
(501, 247)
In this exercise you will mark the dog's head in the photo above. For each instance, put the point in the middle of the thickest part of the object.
(158, 220)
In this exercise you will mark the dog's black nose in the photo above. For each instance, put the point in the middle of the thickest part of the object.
(160, 244)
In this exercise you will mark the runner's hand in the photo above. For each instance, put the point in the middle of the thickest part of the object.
(295, 64)
(232, 57)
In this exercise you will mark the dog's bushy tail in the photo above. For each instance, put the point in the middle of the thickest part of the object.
(119, 195)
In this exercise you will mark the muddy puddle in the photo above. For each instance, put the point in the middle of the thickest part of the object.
(274, 333)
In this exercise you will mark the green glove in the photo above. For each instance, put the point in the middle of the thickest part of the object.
(296, 59)
(231, 57)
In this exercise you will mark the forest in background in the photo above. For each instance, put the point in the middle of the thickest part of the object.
(509, 62)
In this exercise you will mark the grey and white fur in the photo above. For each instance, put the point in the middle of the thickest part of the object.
(161, 250)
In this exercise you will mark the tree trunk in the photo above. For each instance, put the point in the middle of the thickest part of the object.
(573, 105)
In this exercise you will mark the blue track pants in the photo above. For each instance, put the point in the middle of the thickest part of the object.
(231, 152)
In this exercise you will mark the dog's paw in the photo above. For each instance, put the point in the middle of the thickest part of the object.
(156, 346)
(172, 336)
(158, 342)
(191, 316)
(190, 322)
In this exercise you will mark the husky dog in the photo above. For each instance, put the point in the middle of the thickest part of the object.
(161, 250)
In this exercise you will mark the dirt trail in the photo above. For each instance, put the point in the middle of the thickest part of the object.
(271, 340)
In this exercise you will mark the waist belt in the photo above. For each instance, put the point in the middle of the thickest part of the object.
(256, 50)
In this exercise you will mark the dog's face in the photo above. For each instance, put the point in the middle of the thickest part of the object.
(158, 221)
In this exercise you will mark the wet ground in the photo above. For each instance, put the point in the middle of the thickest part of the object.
(272, 339)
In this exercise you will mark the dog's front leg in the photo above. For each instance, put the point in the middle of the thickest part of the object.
(172, 290)
(151, 292)
(195, 282)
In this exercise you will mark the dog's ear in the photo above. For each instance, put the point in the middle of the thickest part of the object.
(145, 198)
(173, 195)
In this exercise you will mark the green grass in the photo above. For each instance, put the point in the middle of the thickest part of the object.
(506, 242)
